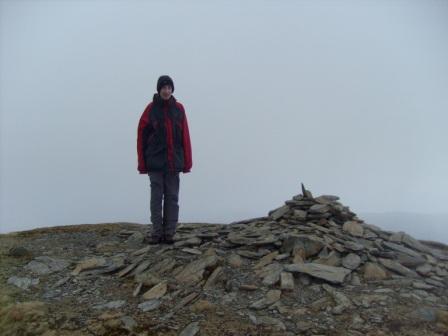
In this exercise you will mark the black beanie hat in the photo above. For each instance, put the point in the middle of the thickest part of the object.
(164, 80)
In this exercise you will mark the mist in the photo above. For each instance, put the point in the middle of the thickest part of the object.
(348, 97)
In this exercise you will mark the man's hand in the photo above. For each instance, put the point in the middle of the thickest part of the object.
(142, 170)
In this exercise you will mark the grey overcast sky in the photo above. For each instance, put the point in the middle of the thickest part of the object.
(348, 97)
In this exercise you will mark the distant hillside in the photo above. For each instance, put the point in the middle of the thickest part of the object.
(421, 226)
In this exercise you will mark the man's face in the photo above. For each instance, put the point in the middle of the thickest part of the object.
(166, 91)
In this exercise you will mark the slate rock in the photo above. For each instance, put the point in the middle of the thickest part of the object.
(328, 273)
(213, 278)
(149, 305)
(402, 237)
(351, 261)
(275, 323)
(270, 273)
(156, 292)
(235, 260)
(45, 265)
(249, 238)
(192, 241)
(330, 259)
(326, 199)
(354, 246)
(135, 239)
(88, 264)
(194, 271)
(373, 272)
(397, 268)
(342, 301)
(409, 261)
(18, 251)
(319, 208)
(402, 249)
(311, 245)
(266, 260)
(286, 281)
(271, 297)
(299, 214)
(147, 278)
(280, 212)
(22, 282)
(191, 329)
(354, 228)
(37, 268)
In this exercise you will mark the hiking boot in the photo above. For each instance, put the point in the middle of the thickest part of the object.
(168, 240)
(152, 240)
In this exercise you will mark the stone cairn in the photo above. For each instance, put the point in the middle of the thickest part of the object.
(326, 240)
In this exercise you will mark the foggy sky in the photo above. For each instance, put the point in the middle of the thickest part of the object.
(348, 97)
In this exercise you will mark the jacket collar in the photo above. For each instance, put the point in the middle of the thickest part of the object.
(157, 99)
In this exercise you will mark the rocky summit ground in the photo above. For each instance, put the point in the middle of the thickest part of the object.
(309, 267)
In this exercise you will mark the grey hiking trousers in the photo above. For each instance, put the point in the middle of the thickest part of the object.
(164, 186)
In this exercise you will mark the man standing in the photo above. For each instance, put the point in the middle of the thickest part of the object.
(164, 150)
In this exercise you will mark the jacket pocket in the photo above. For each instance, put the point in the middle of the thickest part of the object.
(155, 158)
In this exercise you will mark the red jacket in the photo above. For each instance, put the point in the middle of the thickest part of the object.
(163, 138)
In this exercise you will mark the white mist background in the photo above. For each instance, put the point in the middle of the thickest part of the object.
(348, 97)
